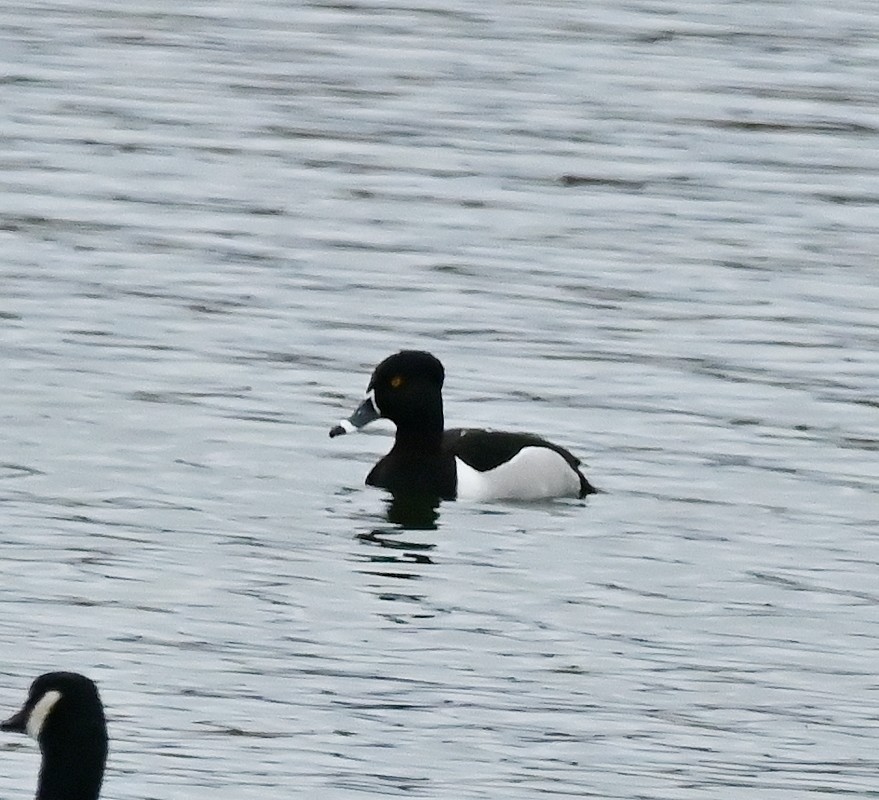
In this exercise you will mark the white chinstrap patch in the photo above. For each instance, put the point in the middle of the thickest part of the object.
(37, 718)
(533, 473)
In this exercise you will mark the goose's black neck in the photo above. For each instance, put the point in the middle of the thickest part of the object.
(73, 761)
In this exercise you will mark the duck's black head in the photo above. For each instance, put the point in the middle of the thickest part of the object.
(64, 713)
(407, 389)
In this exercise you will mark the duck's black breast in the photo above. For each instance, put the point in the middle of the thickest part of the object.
(410, 471)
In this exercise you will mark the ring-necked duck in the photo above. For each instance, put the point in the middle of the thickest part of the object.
(63, 712)
(464, 463)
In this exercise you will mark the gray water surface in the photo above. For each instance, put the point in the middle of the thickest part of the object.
(648, 231)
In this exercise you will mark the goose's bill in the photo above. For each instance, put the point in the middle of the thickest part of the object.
(365, 413)
(16, 723)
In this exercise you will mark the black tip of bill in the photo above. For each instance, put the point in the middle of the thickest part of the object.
(341, 429)
(365, 413)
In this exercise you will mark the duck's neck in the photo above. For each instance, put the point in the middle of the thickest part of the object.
(72, 769)
(422, 435)
(422, 430)
(421, 440)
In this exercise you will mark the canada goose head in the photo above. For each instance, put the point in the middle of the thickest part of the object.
(64, 713)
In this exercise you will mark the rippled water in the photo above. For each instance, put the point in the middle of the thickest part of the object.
(647, 230)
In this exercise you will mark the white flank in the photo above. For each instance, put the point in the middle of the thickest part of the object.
(533, 473)
(40, 711)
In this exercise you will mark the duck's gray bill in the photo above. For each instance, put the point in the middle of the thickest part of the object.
(365, 413)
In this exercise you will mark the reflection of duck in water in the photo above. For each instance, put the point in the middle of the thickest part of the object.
(63, 712)
(414, 512)
(463, 463)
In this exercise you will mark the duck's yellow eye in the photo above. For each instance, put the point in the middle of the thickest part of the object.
(396, 381)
